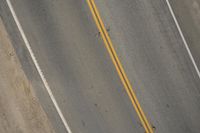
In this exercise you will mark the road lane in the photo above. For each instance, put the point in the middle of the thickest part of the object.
(119, 68)
(183, 38)
(77, 66)
(155, 59)
(188, 16)
(149, 46)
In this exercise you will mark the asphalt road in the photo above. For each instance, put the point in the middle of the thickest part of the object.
(156, 61)
(188, 16)
(77, 66)
(66, 43)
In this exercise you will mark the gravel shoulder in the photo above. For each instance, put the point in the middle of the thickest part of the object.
(20, 111)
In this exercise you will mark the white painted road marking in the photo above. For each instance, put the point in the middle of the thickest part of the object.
(183, 38)
(38, 67)
(44, 79)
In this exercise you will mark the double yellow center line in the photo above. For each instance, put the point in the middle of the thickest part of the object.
(118, 66)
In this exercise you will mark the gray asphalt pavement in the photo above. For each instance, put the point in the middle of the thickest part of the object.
(156, 61)
(65, 40)
(188, 16)
(77, 66)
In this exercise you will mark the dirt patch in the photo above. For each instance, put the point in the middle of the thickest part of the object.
(20, 111)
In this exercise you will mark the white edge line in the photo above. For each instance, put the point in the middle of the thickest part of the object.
(38, 67)
(183, 38)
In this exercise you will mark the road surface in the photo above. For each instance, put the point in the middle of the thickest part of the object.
(157, 63)
(188, 16)
(72, 55)
(77, 66)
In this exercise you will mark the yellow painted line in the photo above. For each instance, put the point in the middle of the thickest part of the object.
(118, 66)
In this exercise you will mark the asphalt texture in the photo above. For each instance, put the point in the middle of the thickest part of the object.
(188, 16)
(83, 79)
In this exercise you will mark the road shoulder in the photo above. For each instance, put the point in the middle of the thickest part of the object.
(20, 110)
